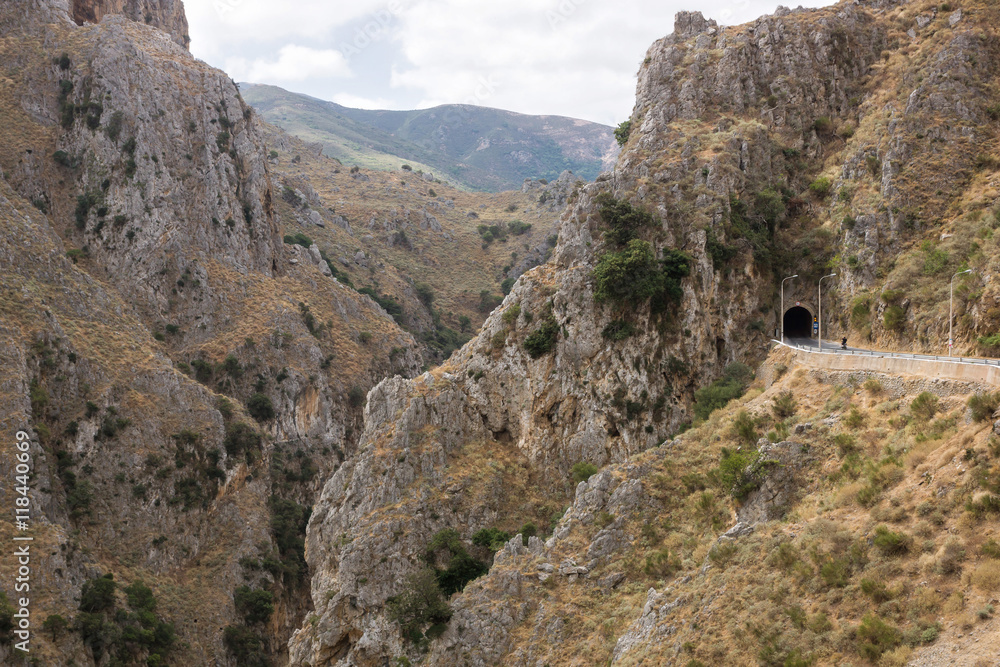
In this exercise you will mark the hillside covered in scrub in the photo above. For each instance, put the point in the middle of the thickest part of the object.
(474, 147)
(283, 410)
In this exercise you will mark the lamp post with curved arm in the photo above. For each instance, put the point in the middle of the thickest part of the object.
(951, 312)
(782, 313)
(820, 320)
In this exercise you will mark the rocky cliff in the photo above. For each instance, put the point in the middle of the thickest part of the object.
(192, 383)
(167, 15)
(188, 379)
(741, 151)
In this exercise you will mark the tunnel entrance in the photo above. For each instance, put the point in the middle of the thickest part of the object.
(798, 323)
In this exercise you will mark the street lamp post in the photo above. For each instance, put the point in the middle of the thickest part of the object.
(782, 313)
(820, 320)
(951, 312)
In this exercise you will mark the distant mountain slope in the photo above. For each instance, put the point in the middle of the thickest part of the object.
(475, 147)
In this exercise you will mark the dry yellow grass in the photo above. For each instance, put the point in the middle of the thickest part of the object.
(457, 268)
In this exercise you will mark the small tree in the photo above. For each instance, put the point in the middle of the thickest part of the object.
(260, 407)
(55, 624)
(783, 405)
(582, 471)
(821, 187)
(630, 276)
(745, 428)
(254, 604)
(421, 603)
(623, 131)
(740, 472)
(924, 406)
(98, 594)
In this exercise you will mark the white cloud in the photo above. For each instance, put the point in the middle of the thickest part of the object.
(568, 57)
(359, 102)
(294, 63)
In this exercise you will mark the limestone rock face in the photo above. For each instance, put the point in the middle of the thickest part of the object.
(148, 299)
(800, 68)
(589, 399)
(783, 461)
(167, 15)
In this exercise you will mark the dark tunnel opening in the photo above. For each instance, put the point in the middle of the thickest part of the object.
(798, 323)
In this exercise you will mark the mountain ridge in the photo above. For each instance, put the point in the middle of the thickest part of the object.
(476, 147)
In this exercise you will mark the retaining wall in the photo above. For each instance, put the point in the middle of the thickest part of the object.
(928, 368)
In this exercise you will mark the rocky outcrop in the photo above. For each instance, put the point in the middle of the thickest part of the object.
(147, 298)
(760, 87)
(167, 15)
(790, 68)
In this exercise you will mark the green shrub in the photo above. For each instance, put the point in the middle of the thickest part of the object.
(623, 131)
(582, 471)
(140, 596)
(823, 125)
(741, 472)
(732, 384)
(893, 318)
(255, 605)
(288, 528)
(618, 330)
(98, 594)
(54, 623)
(78, 498)
(114, 127)
(989, 343)
(662, 564)
(623, 219)
(629, 276)
(259, 407)
(511, 314)
(861, 311)
(419, 604)
(493, 539)
(875, 637)
(298, 239)
(461, 567)
(356, 397)
(488, 301)
(241, 438)
(891, 543)
(835, 572)
(924, 406)
(983, 405)
(935, 259)
(718, 251)
(821, 187)
(991, 549)
(783, 406)
(245, 645)
(517, 227)
(876, 590)
(543, 340)
(745, 428)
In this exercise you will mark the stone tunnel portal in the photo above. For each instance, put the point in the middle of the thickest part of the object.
(798, 323)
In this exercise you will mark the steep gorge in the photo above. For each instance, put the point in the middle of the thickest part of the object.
(739, 138)
(195, 383)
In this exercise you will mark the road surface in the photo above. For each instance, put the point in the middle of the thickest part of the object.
(833, 347)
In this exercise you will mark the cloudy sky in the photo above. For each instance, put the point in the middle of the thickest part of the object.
(573, 58)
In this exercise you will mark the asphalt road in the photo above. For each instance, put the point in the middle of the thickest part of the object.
(833, 347)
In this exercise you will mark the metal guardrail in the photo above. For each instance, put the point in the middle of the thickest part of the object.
(891, 355)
